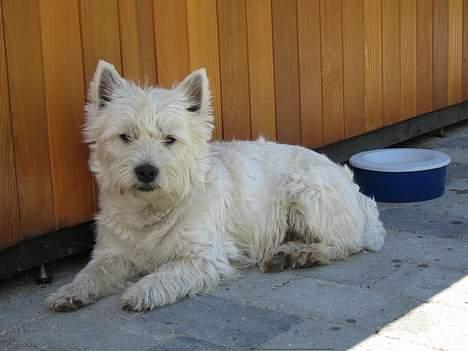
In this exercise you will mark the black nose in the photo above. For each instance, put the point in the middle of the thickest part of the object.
(146, 173)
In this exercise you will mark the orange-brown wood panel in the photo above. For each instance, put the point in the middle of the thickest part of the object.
(204, 50)
(332, 70)
(465, 50)
(285, 52)
(233, 58)
(261, 71)
(391, 61)
(424, 56)
(440, 54)
(29, 115)
(137, 40)
(353, 67)
(62, 62)
(455, 51)
(310, 73)
(170, 30)
(373, 64)
(100, 34)
(408, 58)
(9, 212)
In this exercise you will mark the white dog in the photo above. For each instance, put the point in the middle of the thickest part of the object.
(179, 214)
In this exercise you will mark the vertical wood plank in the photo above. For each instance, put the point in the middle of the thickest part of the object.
(64, 91)
(408, 58)
(332, 70)
(170, 31)
(424, 56)
(391, 61)
(310, 73)
(261, 72)
(233, 58)
(465, 50)
(455, 51)
(440, 58)
(353, 67)
(29, 115)
(9, 212)
(204, 50)
(137, 40)
(285, 51)
(373, 63)
(100, 30)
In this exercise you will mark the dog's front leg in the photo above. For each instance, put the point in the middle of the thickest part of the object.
(171, 282)
(104, 275)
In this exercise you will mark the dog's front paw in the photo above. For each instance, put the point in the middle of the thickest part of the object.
(136, 300)
(64, 300)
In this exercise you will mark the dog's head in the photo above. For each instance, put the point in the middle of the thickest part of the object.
(148, 141)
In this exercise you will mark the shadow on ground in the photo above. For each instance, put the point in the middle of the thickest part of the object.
(412, 295)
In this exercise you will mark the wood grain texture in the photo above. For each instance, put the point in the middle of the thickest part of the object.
(261, 71)
(465, 50)
(353, 67)
(310, 72)
(233, 58)
(440, 54)
(170, 31)
(204, 50)
(455, 51)
(424, 56)
(100, 34)
(137, 40)
(29, 115)
(62, 62)
(391, 61)
(286, 62)
(373, 104)
(9, 211)
(332, 70)
(408, 58)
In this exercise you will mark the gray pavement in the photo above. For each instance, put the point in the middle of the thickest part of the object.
(413, 295)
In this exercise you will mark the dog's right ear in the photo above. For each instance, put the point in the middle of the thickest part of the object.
(106, 79)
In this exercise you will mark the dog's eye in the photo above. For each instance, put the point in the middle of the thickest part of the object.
(169, 140)
(125, 138)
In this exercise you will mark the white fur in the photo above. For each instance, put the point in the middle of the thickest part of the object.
(216, 208)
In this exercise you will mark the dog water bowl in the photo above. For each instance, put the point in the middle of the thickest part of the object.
(400, 175)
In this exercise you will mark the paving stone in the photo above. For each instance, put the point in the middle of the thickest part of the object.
(455, 296)
(83, 330)
(185, 343)
(388, 343)
(253, 284)
(433, 325)
(419, 281)
(362, 269)
(219, 321)
(424, 249)
(316, 335)
(335, 303)
(416, 220)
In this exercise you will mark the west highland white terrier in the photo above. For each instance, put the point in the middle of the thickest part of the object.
(178, 214)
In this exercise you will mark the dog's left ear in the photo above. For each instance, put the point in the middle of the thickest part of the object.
(195, 88)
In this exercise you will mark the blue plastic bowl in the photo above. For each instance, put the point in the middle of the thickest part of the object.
(401, 175)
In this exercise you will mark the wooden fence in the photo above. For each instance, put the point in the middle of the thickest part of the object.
(308, 72)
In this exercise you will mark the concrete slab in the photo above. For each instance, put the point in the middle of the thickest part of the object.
(219, 321)
(317, 335)
(336, 303)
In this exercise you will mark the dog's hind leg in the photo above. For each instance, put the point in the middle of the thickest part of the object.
(297, 254)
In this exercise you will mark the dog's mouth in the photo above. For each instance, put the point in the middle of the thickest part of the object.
(146, 188)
